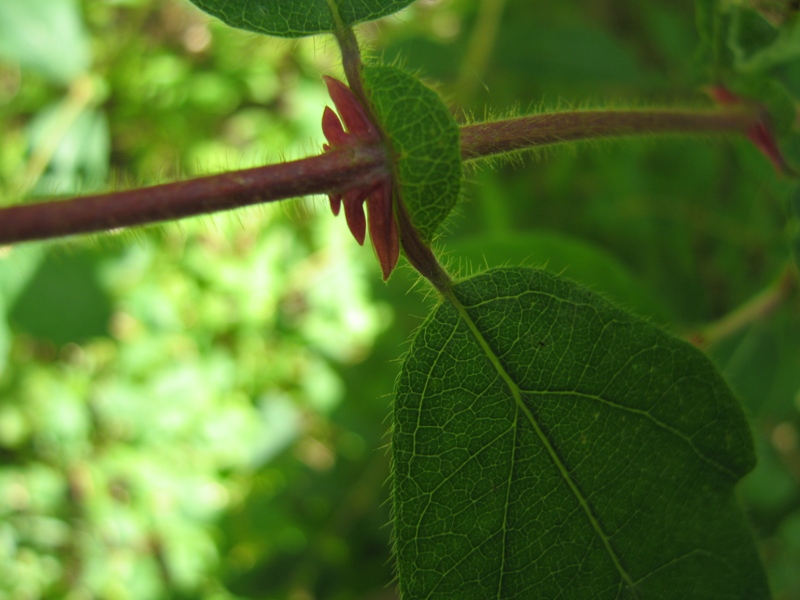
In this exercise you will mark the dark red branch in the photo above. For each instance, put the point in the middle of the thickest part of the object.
(497, 137)
(340, 169)
(333, 171)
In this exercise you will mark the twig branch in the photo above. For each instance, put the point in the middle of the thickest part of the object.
(332, 171)
(497, 137)
(338, 170)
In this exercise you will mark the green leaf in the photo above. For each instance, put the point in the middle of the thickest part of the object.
(758, 46)
(81, 310)
(572, 257)
(705, 15)
(80, 160)
(794, 225)
(297, 18)
(548, 445)
(424, 140)
(794, 202)
(713, 24)
(16, 269)
(568, 54)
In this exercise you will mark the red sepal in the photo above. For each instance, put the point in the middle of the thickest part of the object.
(760, 134)
(354, 213)
(336, 203)
(383, 228)
(358, 129)
(353, 114)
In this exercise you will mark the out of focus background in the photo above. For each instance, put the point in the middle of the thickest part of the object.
(201, 410)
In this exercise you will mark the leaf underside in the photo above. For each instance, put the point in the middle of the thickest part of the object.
(549, 445)
(424, 140)
(297, 18)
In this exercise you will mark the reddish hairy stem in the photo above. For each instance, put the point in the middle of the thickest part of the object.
(497, 137)
(338, 170)
(420, 255)
(333, 171)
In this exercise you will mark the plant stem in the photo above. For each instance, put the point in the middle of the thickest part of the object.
(420, 255)
(351, 54)
(351, 61)
(340, 169)
(759, 307)
(498, 137)
(333, 171)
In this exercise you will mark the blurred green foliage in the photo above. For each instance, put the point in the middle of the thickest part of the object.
(167, 398)
(199, 410)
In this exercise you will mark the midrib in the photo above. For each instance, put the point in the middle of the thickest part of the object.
(516, 393)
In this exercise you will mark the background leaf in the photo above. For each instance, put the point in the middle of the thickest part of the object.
(561, 255)
(297, 18)
(64, 302)
(758, 45)
(78, 162)
(548, 444)
(202, 357)
(754, 52)
(425, 142)
(46, 36)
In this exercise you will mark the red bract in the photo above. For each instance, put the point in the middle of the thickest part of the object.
(377, 193)
(760, 134)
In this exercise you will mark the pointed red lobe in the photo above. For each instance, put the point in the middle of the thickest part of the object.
(353, 114)
(723, 96)
(332, 128)
(377, 192)
(762, 137)
(383, 228)
(760, 134)
(354, 213)
(336, 203)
